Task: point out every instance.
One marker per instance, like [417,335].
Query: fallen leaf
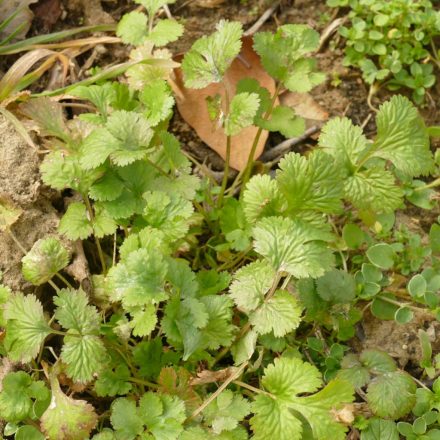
[209,3]
[207,376]
[304,106]
[192,105]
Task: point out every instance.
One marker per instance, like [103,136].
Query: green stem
[399,304]
[59,276]
[226,172]
[432,184]
[55,287]
[250,162]
[251,388]
[144,382]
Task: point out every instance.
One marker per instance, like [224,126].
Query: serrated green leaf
[44,260]
[380,429]
[292,247]
[75,223]
[84,356]
[210,56]
[402,137]
[337,287]
[26,327]
[108,187]
[113,382]
[374,189]
[165,31]
[242,111]
[284,120]
[312,183]
[67,418]
[125,419]
[158,102]
[132,28]
[224,413]
[392,395]
[144,320]
[250,285]
[280,314]
[100,95]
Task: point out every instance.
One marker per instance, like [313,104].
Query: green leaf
[378,362]
[250,285]
[18,394]
[374,189]
[292,247]
[165,31]
[402,137]
[224,412]
[337,287]
[84,356]
[353,235]
[74,313]
[144,320]
[125,419]
[392,395]
[242,110]
[285,379]
[280,314]
[139,280]
[262,198]
[66,417]
[132,28]
[113,382]
[28,432]
[434,238]
[158,102]
[380,429]
[382,255]
[404,315]
[44,260]
[26,327]
[153,6]
[210,56]
[75,223]
[284,120]
[9,214]
[108,187]
[312,183]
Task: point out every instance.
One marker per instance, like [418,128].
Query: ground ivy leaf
[262,198]
[224,413]
[132,28]
[26,327]
[392,395]
[284,120]
[374,189]
[74,313]
[382,255]
[280,314]
[402,137]
[377,361]
[343,140]
[311,183]
[292,247]
[125,419]
[84,356]
[113,382]
[139,280]
[210,56]
[158,102]
[67,418]
[75,223]
[250,285]
[242,110]
[165,31]
[44,260]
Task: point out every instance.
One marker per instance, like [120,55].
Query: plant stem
[226,172]
[16,241]
[251,388]
[59,276]
[399,304]
[55,287]
[144,382]
[250,162]
[432,184]
[98,244]
[219,390]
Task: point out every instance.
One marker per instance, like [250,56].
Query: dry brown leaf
[209,3]
[304,106]
[207,376]
[191,104]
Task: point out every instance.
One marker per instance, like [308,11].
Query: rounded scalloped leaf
[44,260]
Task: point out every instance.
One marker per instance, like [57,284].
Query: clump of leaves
[392,42]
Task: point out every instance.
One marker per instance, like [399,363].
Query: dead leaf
[47,12]
[344,415]
[192,105]
[304,106]
[209,3]
[207,376]
[20,23]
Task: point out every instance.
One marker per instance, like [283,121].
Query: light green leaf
[374,189]
[103,224]
[144,320]
[336,286]
[165,31]
[242,111]
[132,28]
[312,183]
[343,140]
[158,102]
[75,223]
[210,56]
[26,327]
[67,418]
[244,348]
[84,356]
[292,247]
[280,314]
[108,187]
[382,255]
[392,395]
[380,429]
[113,382]
[250,285]
[44,260]
[402,137]
[125,419]
[224,413]
[284,120]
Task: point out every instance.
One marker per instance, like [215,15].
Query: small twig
[329,30]
[167,12]
[279,150]
[220,389]
[266,15]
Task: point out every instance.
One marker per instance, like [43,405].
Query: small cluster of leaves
[390,41]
